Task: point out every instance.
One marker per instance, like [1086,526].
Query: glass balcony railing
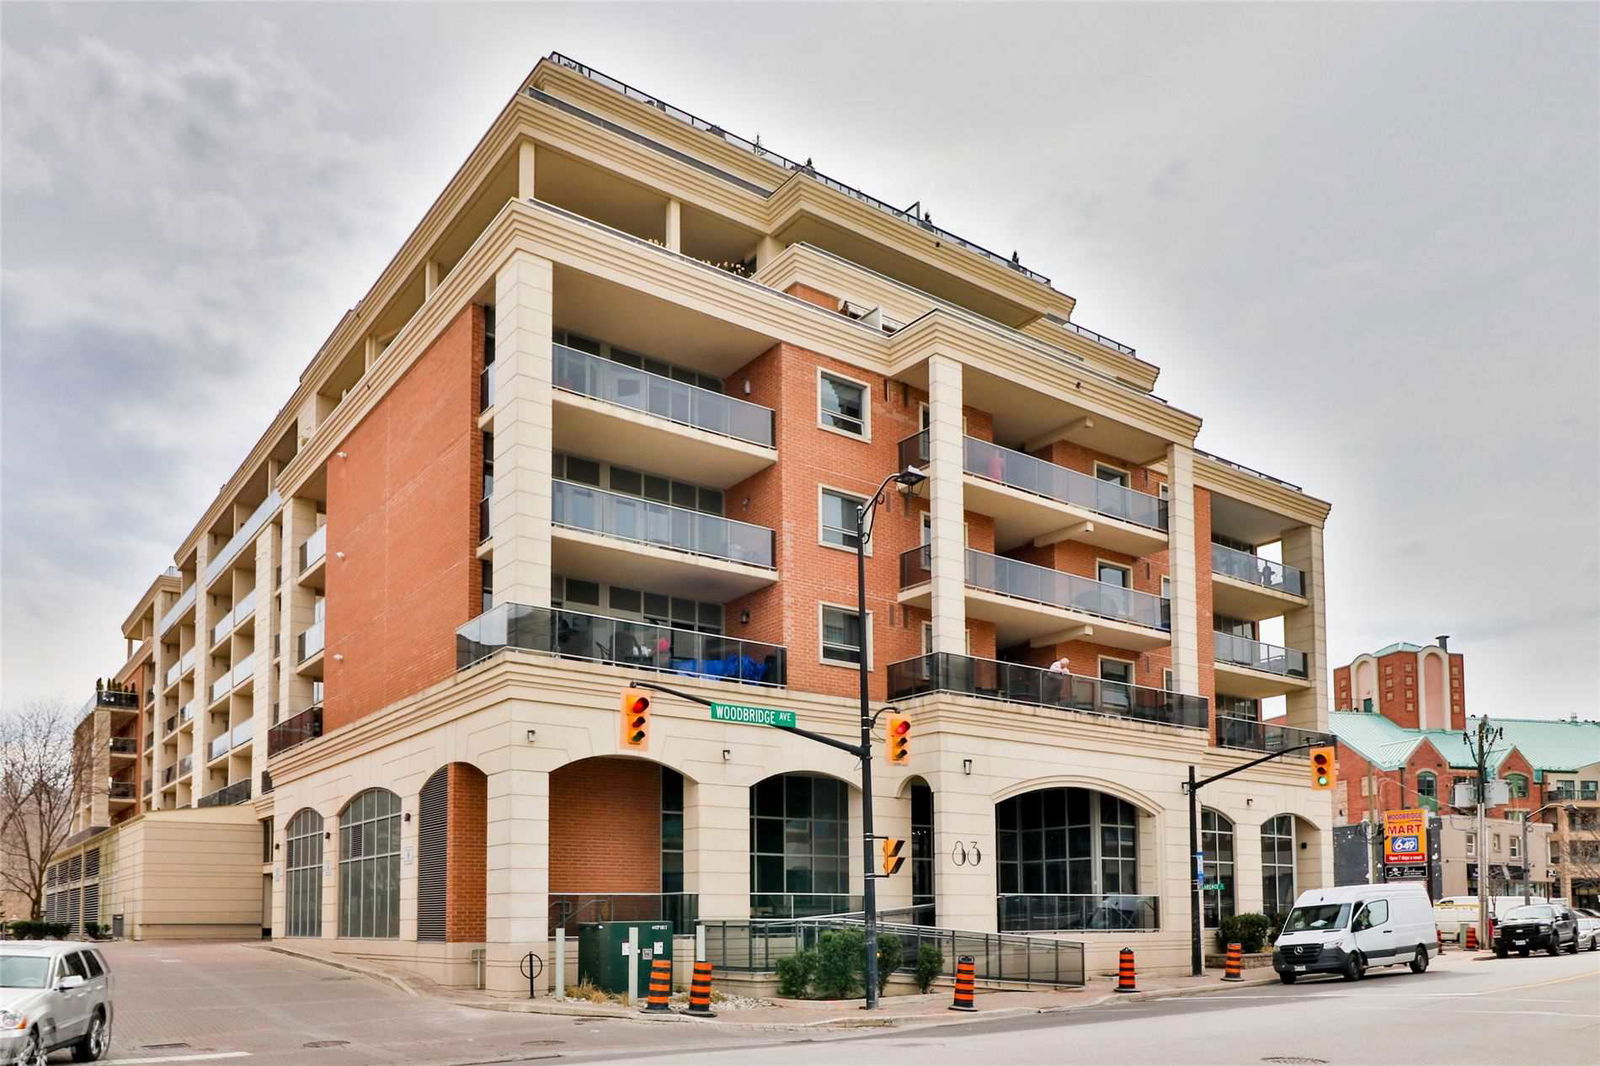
[185,765]
[1019,683]
[687,405]
[177,610]
[307,725]
[1040,477]
[244,733]
[314,548]
[1052,912]
[246,533]
[639,645]
[219,746]
[1264,736]
[309,642]
[1269,658]
[124,746]
[228,795]
[1268,573]
[230,621]
[120,790]
[648,522]
[169,774]
[179,668]
[1040,584]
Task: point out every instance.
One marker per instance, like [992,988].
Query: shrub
[1249,931]
[29,930]
[586,989]
[841,961]
[891,956]
[795,973]
[930,964]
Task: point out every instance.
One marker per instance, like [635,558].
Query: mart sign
[1405,837]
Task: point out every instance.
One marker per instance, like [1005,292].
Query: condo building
[607,417]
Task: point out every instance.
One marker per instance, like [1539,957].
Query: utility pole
[1480,747]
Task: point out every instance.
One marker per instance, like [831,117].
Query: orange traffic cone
[1125,971]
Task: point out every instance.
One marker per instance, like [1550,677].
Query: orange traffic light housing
[635,710]
[1323,769]
[899,739]
[892,857]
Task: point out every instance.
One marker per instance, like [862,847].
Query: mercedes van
[1353,928]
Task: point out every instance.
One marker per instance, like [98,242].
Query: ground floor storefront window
[1069,859]
[799,846]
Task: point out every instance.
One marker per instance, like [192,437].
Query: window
[1472,844]
[922,896]
[838,518]
[1375,914]
[1495,841]
[671,830]
[91,959]
[1428,789]
[841,635]
[1166,680]
[1216,841]
[1111,474]
[1277,865]
[369,865]
[1166,587]
[1112,574]
[1058,846]
[1116,675]
[303,875]
[486,579]
[842,405]
[266,840]
[1518,784]
[1516,846]
[799,846]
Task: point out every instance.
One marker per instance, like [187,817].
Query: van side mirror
[69,982]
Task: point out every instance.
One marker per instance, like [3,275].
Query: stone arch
[304,856]
[1433,690]
[801,830]
[369,865]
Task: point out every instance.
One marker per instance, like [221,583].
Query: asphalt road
[1461,1012]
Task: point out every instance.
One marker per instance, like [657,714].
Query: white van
[1352,928]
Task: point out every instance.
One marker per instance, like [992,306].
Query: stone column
[299,606]
[519,873]
[674,226]
[767,248]
[200,731]
[525,170]
[947,525]
[1183,569]
[520,505]
[963,814]
[1307,628]
[716,848]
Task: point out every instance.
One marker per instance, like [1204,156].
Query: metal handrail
[637,389]
[634,518]
[1252,735]
[1258,655]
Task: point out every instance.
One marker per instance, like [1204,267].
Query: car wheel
[1594,942]
[1523,953]
[1419,962]
[33,1052]
[1574,943]
[1287,978]
[1501,953]
[95,1042]
[1355,968]
[1553,948]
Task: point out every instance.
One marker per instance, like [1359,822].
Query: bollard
[561,963]
[1438,935]
[1472,938]
[1125,971]
[632,994]
[1234,963]
[660,986]
[700,992]
[965,976]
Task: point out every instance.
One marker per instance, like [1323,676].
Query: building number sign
[966,853]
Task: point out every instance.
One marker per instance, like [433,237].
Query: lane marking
[1554,981]
[183,1058]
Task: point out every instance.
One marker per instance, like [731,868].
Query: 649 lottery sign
[1405,837]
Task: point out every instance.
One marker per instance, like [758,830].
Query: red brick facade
[467,856]
[605,826]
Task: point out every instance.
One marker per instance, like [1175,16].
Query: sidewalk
[893,1012]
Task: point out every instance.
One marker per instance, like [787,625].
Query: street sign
[1405,837]
[740,714]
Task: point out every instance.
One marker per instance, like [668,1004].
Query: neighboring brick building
[607,415]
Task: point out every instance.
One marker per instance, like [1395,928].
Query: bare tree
[44,774]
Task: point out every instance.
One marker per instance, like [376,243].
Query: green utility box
[603,953]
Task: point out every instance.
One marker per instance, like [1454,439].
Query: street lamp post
[1527,858]
[910,478]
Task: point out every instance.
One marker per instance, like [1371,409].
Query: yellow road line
[1541,984]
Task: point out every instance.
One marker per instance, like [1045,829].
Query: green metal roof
[1547,745]
[1401,645]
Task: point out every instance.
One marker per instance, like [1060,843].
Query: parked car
[1588,928]
[1351,929]
[1551,927]
[53,994]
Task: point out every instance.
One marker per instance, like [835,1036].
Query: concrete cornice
[1273,496]
[164,582]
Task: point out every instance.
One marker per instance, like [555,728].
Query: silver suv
[53,994]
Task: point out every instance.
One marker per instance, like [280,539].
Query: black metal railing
[756,945]
[124,746]
[1268,573]
[1041,584]
[123,699]
[1076,913]
[640,645]
[568,910]
[676,401]
[307,725]
[1265,736]
[1017,683]
[227,795]
[1242,651]
[120,790]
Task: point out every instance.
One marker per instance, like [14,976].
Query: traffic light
[635,708]
[1322,769]
[892,859]
[899,739]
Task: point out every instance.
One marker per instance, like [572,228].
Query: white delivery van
[1352,928]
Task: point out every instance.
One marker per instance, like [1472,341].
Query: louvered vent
[433,834]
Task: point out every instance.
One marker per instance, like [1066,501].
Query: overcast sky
[1361,242]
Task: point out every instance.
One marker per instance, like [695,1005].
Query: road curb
[340,964]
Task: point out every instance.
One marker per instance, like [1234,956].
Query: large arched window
[369,865]
[1216,840]
[799,846]
[1277,866]
[1518,784]
[303,875]
[1428,790]
[1069,859]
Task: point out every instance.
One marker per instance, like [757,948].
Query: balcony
[175,613]
[176,671]
[605,410]
[222,686]
[1019,683]
[1251,588]
[109,698]
[120,792]
[1044,606]
[308,645]
[246,533]
[307,725]
[636,645]
[169,774]
[1257,671]
[627,540]
[125,747]
[1251,735]
[241,612]
[313,552]
[1036,501]
[228,795]
[185,765]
